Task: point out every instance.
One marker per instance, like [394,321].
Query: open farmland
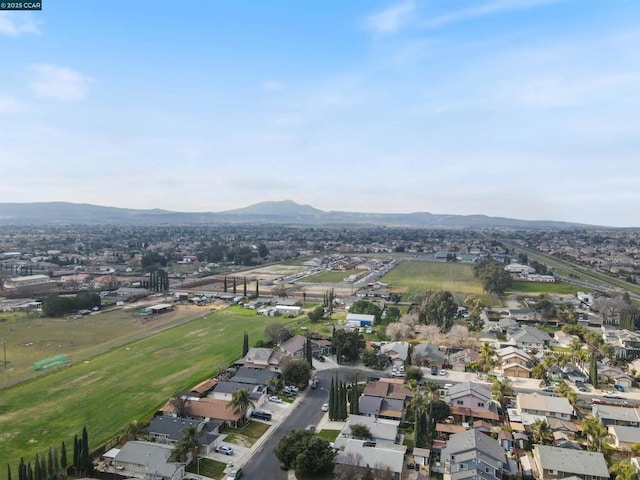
[29,338]
[536,288]
[129,382]
[418,277]
[331,277]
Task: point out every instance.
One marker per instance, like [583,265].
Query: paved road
[264,463]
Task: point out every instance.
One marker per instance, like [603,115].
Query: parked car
[275,399]
[325,407]
[443,373]
[260,414]
[447,386]
[234,474]
[224,449]
[619,388]
[310,428]
[434,370]
[321,358]
[611,395]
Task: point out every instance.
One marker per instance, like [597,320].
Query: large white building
[27,281]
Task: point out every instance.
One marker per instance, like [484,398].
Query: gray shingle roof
[571,461]
[475,443]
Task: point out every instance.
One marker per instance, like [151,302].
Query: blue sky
[520,108]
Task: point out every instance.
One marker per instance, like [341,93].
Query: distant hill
[283,212]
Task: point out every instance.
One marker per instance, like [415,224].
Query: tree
[296,372]
[485,359]
[595,432]
[63,458]
[316,314]
[439,410]
[179,404]
[257,289]
[308,352]
[277,333]
[188,446]
[501,389]
[593,370]
[332,400]
[475,307]
[347,345]
[360,431]
[85,460]
[133,430]
[306,452]
[458,335]
[494,278]
[438,308]
[245,343]
[244,287]
[413,373]
[263,251]
[623,470]
[397,331]
[240,401]
[541,432]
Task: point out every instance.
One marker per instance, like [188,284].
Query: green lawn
[208,468]
[106,392]
[417,277]
[331,277]
[329,435]
[248,435]
[538,288]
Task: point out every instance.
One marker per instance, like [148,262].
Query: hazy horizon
[526,109]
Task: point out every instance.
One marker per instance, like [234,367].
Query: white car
[611,395]
[275,399]
[447,386]
[224,449]
[443,373]
[325,407]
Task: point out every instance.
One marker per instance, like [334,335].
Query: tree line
[57,306]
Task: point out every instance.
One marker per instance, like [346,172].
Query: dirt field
[28,339]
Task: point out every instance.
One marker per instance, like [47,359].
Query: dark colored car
[261,415]
[434,370]
[321,359]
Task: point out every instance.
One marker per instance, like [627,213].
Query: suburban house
[535,404]
[207,409]
[225,391]
[427,355]
[514,362]
[567,428]
[382,430]
[472,454]
[388,388]
[608,374]
[295,347]
[528,337]
[564,339]
[397,352]
[253,376]
[623,437]
[149,461]
[612,415]
[169,430]
[201,389]
[262,359]
[461,359]
[380,458]
[625,343]
[471,395]
[391,408]
[553,463]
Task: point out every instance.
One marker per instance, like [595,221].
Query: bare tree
[609,308]
[179,404]
[277,333]
[397,331]
[458,335]
[433,334]
[411,320]
[348,468]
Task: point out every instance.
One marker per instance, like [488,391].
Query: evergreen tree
[50,470]
[76,452]
[8,472]
[419,433]
[56,461]
[85,459]
[245,287]
[245,344]
[332,401]
[235,286]
[257,289]
[225,285]
[308,352]
[29,471]
[593,370]
[63,458]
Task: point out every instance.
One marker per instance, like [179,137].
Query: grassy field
[106,392]
[418,277]
[248,435]
[538,288]
[29,338]
[330,277]
[329,435]
[208,468]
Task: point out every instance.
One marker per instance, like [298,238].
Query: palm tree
[623,470]
[133,430]
[241,401]
[501,389]
[567,393]
[272,384]
[541,432]
[433,391]
[187,448]
[486,353]
[595,432]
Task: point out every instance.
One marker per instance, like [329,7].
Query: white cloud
[15,24]
[60,83]
[8,105]
[271,85]
[491,8]
[391,19]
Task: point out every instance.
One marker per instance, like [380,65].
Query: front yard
[248,435]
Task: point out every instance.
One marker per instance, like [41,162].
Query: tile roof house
[356,455]
[169,430]
[148,460]
[388,388]
[536,404]
[561,463]
[471,455]
[207,409]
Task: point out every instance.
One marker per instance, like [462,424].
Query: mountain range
[284,212]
